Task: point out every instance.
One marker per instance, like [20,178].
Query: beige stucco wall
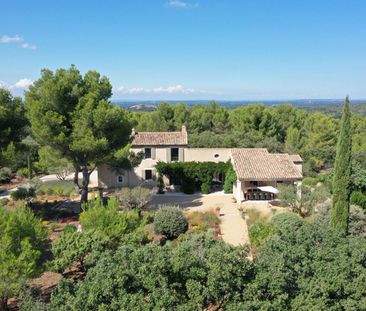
[108,178]
[206,154]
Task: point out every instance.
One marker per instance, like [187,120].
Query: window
[174,154]
[120,179]
[147,153]
[148,174]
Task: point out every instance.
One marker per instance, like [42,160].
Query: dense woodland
[312,257]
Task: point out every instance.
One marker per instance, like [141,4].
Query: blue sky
[192,49]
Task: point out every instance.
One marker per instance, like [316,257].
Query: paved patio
[233,227]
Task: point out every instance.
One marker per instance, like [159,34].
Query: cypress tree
[342,174]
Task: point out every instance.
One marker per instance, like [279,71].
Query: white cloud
[7,39]
[174,89]
[22,84]
[181,4]
[28,46]
[17,39]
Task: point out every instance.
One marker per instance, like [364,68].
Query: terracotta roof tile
[259,164]
[160,138]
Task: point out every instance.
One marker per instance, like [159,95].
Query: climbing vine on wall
[196,174]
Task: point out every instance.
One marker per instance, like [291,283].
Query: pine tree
[342,174]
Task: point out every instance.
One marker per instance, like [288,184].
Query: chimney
[184,129]
[133,132]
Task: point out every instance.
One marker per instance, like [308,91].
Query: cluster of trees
[300,266]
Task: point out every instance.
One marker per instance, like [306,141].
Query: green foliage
[108,221]
[307,267]
[134,198]
[52,162]
[5,174]
[189,275]
[359,199]
[72,114]
[59,187]
[160,184]
[69,229]
[191,174]
[170,221]
[357,220]
[260,232]
[304,205]
[230,178]
[342,174]
[23,194]
[23,172]
[75,248]
[21,242]
[206,187]
[28,301]
[13,127]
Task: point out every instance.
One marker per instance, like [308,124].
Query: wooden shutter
[168,154]
[153,153]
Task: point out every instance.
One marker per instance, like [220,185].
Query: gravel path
[234,229]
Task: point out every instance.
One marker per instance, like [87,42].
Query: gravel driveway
[233,227]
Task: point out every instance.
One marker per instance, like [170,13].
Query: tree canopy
[72,113]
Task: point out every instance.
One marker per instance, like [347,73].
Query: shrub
[22,172]
[23,194]
[69,229]
[160,184]
[230,178]
[54,226]
[5,174]
[4,202]
[260,232]
[170,221]
[358,198]
[131,198]
[188,186]
[287,221]
[206,188]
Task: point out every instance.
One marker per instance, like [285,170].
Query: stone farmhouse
[258,171]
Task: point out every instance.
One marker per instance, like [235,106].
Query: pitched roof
[160,138]
[258,164]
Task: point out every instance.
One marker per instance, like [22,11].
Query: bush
[188,186]
[22,172]
[358,198]
[206,188]
[69,229]
[230,178]
[285,222]
[54,226]
[5,174]
[4,202]
[260,232]
[131,198]
[23,194]
[170,221]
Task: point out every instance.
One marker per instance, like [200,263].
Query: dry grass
[199,221]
